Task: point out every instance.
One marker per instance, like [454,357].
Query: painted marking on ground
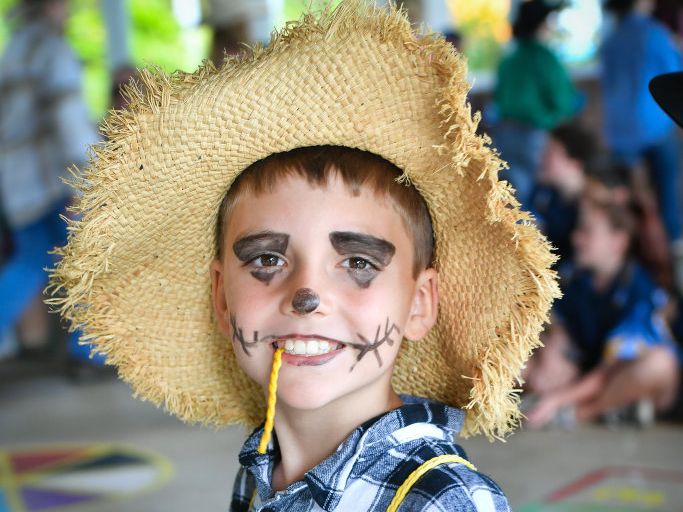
[61,478]
[620,488]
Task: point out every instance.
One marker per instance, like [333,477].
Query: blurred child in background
[635,129]
[533,94]
[568,154]
[44,129]
[608,346]
[614,181]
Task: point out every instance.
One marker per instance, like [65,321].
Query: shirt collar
[327,480]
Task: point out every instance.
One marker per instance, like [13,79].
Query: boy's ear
[220,306]
[425,305]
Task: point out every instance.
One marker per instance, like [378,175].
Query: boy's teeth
[308,347]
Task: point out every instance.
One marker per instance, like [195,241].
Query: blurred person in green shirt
[533,95]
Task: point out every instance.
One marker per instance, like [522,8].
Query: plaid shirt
[364,473]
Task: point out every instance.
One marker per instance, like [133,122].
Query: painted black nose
[305,301]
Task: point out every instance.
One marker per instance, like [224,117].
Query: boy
[320,286]
[608,347]
[327,163]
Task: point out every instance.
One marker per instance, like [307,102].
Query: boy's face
[596,241]
[329,277]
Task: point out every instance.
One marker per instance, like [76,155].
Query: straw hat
[134,274]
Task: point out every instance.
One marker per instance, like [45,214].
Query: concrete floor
[47,411]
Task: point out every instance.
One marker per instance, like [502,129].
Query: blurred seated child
[611,181]
[562,179]
[607,346]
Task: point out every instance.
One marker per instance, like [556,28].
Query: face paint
[305,301]
[364,347]
[368,255]
[238,337]
[373,346]
[263,251]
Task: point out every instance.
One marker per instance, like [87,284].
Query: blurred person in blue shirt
[608,346]
[44,129]
[637,49]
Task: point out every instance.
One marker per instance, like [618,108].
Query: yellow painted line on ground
[9,484]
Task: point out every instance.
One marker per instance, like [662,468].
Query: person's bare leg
[654,375]
[550,368]
[34,324]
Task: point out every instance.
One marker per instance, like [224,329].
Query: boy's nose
[305,301]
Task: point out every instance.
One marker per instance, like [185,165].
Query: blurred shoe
[565,418]
[640,414]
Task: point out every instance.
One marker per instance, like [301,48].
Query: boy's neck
[306,438]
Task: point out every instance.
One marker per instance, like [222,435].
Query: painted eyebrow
[250,246]
[349,242]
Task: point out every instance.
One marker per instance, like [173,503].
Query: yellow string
[415,476]
[272,397]
[251,501]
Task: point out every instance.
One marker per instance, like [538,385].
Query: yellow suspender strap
[251,501]
[415,476]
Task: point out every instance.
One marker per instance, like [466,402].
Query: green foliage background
[155,39]
[294,8]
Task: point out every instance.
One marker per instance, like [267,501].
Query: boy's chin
[308,396]
[305,401]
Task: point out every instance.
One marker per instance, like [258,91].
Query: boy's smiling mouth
[314,349]
[309,350]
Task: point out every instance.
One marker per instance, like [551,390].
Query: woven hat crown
[134,275]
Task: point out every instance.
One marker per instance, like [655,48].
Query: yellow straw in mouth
[272,397]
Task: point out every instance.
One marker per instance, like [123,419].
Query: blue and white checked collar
[417,419]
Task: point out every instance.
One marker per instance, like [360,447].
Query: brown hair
[621,216]
[578,142]
[633,210]
[356,168]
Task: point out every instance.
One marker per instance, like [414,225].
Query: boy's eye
[357,263]
[361,270]
[268,260]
